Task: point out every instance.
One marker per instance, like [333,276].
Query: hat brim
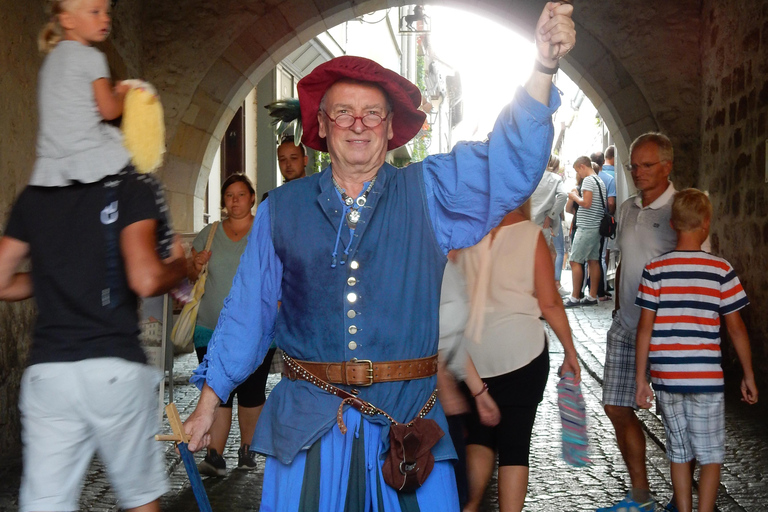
[404,96]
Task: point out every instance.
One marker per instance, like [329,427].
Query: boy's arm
[109,100]
[644,394]
[738,333]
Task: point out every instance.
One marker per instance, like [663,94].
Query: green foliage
[424,137]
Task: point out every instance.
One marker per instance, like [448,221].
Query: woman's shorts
[250,393]
[695,426]
[517,394]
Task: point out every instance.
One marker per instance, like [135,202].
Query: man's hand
[555,33]
[199,422]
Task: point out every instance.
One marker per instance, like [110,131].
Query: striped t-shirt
[589,218]
[689,291]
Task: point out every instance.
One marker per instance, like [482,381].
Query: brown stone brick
[751,41]
[719,118]
[742,111]
[737,81]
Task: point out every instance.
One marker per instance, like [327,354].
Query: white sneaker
[588,301]
[563,292]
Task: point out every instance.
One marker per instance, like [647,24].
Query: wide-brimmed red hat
[403,95]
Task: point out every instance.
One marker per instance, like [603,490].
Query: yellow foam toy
[144,128]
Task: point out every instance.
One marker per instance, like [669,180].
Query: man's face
[291,161]
[582,171]
[649,172]
[358,146]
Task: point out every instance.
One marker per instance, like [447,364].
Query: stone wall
[734,54]
[19,64]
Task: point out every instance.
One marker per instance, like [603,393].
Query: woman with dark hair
[237,199]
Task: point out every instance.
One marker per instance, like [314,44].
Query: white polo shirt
[643,234]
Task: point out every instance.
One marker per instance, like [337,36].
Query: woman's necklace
[354,205]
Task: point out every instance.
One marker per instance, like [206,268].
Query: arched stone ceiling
[206,55]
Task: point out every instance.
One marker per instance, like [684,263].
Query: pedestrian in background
[547,203]
[586,241]
[237,199]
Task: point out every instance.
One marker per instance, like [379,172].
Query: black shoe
[246,458]
[213,464]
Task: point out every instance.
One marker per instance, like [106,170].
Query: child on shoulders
[684,293]
[76,97]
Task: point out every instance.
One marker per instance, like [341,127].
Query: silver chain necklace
[353,216]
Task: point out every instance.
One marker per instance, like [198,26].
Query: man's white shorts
[69,411]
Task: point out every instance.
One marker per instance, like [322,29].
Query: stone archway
[201,84]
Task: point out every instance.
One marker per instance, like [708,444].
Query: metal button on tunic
[352,297]
[351,313]
[355,265]
[352,345]
[352,329]
[351,281]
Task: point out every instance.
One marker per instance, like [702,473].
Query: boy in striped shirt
[683,294]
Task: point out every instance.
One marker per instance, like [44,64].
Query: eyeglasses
[643,167]
[370,120]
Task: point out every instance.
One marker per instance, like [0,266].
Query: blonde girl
[75,97]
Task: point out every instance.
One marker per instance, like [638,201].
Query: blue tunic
[413,217]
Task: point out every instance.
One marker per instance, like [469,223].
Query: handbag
[608,222]
[184,328]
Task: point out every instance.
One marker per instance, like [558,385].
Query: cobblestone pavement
[554,486]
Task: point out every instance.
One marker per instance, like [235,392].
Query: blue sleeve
[246,324]
[611,187]
[469,190]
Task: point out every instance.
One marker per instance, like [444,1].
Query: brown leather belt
[295,369]
[363,372]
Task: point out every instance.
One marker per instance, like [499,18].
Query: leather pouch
[410,460]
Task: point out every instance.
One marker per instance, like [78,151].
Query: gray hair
[662,142]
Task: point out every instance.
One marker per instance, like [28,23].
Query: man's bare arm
[147,274]
[14,285]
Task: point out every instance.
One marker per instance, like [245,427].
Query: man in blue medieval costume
[356,254]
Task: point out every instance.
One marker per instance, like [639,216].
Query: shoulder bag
[608,222]
[184,328]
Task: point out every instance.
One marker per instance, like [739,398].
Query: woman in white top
[511,284]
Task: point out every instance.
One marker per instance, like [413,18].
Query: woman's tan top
[504,328]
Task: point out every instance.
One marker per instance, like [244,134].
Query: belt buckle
[369,371]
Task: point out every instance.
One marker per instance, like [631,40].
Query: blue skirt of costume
[342,472]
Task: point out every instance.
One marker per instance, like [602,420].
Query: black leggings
[251,392]
[517,394]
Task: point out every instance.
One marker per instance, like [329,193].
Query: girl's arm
[551,306]
[109,100]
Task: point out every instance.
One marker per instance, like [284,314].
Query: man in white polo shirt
[644,232]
